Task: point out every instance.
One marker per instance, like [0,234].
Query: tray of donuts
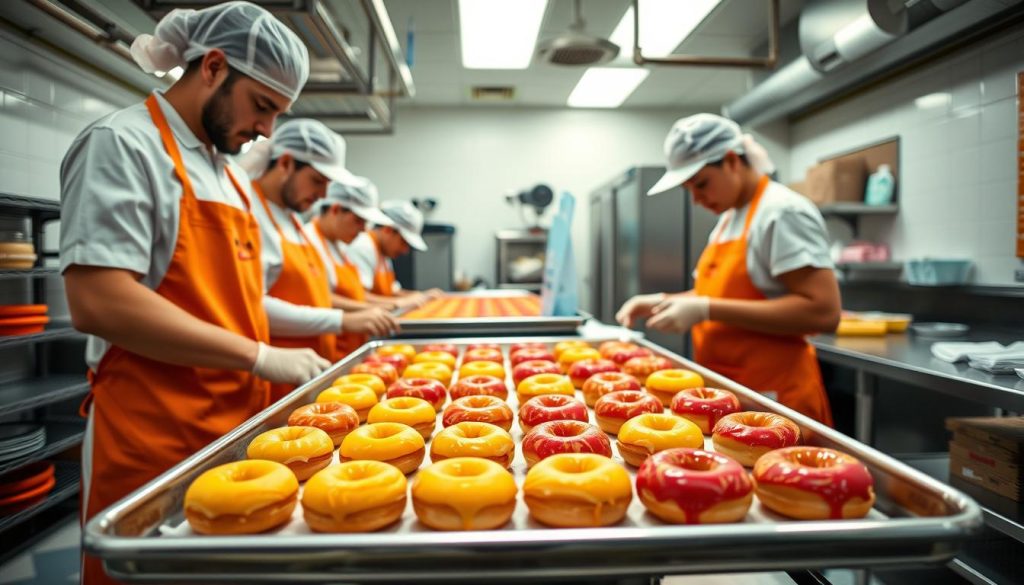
[487,312]
[459,459]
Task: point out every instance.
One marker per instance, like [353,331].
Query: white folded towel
[960,351]
[1020,372]
[1001,362]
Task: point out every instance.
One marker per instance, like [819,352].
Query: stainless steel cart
[144,537]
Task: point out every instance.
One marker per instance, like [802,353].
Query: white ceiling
[735,28]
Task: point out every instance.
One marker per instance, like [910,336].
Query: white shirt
[121,196]
[287,319]
[328,255]
[787,233]
[363,253]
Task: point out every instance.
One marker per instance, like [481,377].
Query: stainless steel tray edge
[553,553]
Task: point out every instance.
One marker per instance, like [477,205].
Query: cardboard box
[981,476]
[988,453]
[1006,433]
[837,181]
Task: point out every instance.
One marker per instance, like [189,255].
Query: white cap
[255,43]
[360,198]
[407,220]
[697,140]
[308,141]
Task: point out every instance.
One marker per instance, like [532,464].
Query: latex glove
[434,293]
[413,301]
[638,307]
[287,365]
[678,314]
[376,322]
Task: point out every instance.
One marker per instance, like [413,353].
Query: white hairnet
[255,43]
[697,140]
[360,197]
[308,141]
[407,220]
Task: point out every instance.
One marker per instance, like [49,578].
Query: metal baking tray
[462,326]
[144,538]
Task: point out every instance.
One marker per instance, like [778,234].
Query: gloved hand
[678,314]
[413,301]
[376,322]
[638,307]
[287,365]
[434,293]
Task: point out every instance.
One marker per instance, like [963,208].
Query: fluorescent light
[934,100]
[664,24]
[606,87]
[499,34]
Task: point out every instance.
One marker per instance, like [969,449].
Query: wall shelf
[8,274]
[48,335]
[60,436]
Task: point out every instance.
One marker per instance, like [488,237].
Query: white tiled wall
[958,160]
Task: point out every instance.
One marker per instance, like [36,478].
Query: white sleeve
[270,245]
[361,252]
[107,204]
[290,320]
[794,239]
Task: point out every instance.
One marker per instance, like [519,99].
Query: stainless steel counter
[907,357]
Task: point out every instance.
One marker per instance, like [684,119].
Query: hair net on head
[697,140]
[407,220]
[308,141]
[255,43]
[359,197]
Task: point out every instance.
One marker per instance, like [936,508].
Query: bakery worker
[161,255]
[765,279]
[290,172]
[337,221]
[373,250]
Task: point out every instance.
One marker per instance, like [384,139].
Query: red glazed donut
[386,372]
[600,384]
[473,346]
[527,345]
[430,390]
[745,436]
[399,360]
[621,355]
[615,408]
[488,409]
[479,385]
[814,483]
[445,347]
[337,419]
[531,368]
[549,407]
[704,406]
[694,486]
[527,355]
[564,436]
[581,371]
[641,367]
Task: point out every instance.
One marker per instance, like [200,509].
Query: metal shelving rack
[25,398]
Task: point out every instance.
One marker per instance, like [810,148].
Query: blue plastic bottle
[880,187]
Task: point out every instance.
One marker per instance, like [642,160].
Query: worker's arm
[112,304]
[810,305]
[642,306]
[347,304]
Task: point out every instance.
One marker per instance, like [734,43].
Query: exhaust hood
[357,69]
[847,45]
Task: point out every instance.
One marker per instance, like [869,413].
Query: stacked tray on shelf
[146,535]
[18,440]
[25,486]
[22,319]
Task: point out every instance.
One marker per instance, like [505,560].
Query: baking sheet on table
[401,552]
[490,325]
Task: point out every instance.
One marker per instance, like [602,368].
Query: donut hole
[704,393]
[358,470]
[816,458]
[474,431]
[477,401]
[574,465]
[697,462]
[545,378]
[630,397]
[566,430]
[385,431]
[660,423]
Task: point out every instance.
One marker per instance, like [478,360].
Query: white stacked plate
[18,440]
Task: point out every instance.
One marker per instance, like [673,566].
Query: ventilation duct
[835,35]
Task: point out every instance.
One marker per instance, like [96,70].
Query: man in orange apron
[339,219]
[160,253]
[290,173]
[373,250]
[765,279]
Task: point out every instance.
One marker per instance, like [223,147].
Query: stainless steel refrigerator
[642,244]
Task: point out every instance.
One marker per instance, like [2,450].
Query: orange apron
[148,415]
[303,281]
[383,276]
[349,286]
[784,364]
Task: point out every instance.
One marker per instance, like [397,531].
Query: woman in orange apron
[737,329]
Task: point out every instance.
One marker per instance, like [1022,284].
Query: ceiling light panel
[606,87]
[499,34]
[664,25]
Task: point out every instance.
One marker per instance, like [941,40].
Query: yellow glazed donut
[648,433]
[577,490]
[474,439]
[356,496]
[305,450]
[394,443]
[482,368]
[464,493]
[442,357]
[664,384]
[539,384]
[409,410]
[372,380]
[402,348]
[571,355]
[561,346]
[360,397]
[242,497]
[433,370]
